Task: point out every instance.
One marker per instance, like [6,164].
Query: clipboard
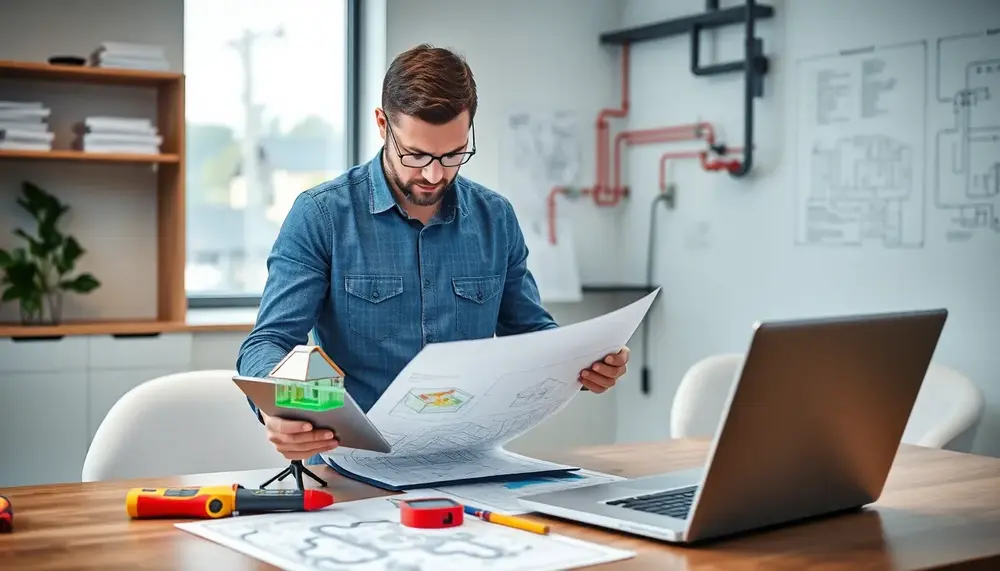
[349,422]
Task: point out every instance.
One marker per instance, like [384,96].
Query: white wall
[747,266]
[562,66]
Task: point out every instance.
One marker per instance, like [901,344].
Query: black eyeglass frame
[466,155]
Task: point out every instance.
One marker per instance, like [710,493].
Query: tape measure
[6,516]
[431,513]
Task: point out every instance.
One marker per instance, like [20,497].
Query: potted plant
[37,275]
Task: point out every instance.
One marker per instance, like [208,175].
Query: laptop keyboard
[671,503]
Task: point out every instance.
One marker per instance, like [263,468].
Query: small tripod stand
[295,469]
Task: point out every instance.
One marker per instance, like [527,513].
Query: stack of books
[24,126]
[117,135]
[130,56]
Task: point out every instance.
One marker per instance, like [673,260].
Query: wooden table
[939,510]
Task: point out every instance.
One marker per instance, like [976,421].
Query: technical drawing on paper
[542,150]
[967,161]
[435,401]
[366,535]
[544,390]
[860,147]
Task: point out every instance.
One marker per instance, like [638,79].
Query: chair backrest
[945,415]
[701,396]
[947,412]
[185,423]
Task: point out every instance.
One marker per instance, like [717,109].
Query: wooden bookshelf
[68,155]
[170,192]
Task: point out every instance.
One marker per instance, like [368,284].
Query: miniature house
[306,378]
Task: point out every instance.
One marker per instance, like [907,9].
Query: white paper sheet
[449,412]
[501,497]
[366,535]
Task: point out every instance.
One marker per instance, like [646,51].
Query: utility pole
[255,242]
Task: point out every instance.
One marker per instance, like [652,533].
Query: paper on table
[366,535]
[449,412]
[501,497]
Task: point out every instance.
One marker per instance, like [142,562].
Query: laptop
[811,427]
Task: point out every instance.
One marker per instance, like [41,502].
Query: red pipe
[647,136]
[601,146]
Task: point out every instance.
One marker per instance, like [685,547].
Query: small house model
[306,378]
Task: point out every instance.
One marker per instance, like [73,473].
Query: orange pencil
[507,520]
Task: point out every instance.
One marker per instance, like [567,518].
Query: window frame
[352,146]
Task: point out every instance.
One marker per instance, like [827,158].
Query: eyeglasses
[421,160]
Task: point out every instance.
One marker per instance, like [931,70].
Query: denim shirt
[375,286]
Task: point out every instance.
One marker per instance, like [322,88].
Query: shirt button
[375,294]
[479,295]
[427,282]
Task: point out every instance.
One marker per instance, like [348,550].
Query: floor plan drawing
[537,393]
[454,406]
[366,535]
[860,144]
[435,401]
[967,147]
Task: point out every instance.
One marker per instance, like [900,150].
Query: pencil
[507,520]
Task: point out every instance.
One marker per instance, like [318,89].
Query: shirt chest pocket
[477,304]
[374,305]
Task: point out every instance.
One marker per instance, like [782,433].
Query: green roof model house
[306,378]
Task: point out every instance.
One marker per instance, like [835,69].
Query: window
[269,102]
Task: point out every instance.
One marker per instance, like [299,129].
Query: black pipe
[749,88]
[650,256]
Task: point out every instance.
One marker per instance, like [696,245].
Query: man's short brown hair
[432,84]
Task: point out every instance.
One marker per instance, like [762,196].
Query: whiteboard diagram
[366,535]
[967,149]
[543,149]
[860,147]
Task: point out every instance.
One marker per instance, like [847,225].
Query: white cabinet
[121,363]
[43,412]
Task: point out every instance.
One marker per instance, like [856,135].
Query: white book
[24,113]
[20,104]
[132,48]
[25,146]
[122,139]
[26,135]
[33,126]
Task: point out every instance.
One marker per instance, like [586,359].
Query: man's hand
[295,439]
[602,375]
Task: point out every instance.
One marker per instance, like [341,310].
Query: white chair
[185,423]
[701,396]
[946,414]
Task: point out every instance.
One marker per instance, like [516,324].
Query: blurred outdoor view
[265,98]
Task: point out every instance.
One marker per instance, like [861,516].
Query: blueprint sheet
[501,497]
[450,411]
[366,535]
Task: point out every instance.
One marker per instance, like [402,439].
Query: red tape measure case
[431,513]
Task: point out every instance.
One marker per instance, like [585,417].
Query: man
[399,252]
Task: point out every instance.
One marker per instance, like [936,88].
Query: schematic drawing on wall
[967,147]
[543,149]
[860,147]
[366,535]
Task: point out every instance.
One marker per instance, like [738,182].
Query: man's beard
[410,190]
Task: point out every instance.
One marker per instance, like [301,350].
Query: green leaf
[71,252]
[5,258]
[84,283]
